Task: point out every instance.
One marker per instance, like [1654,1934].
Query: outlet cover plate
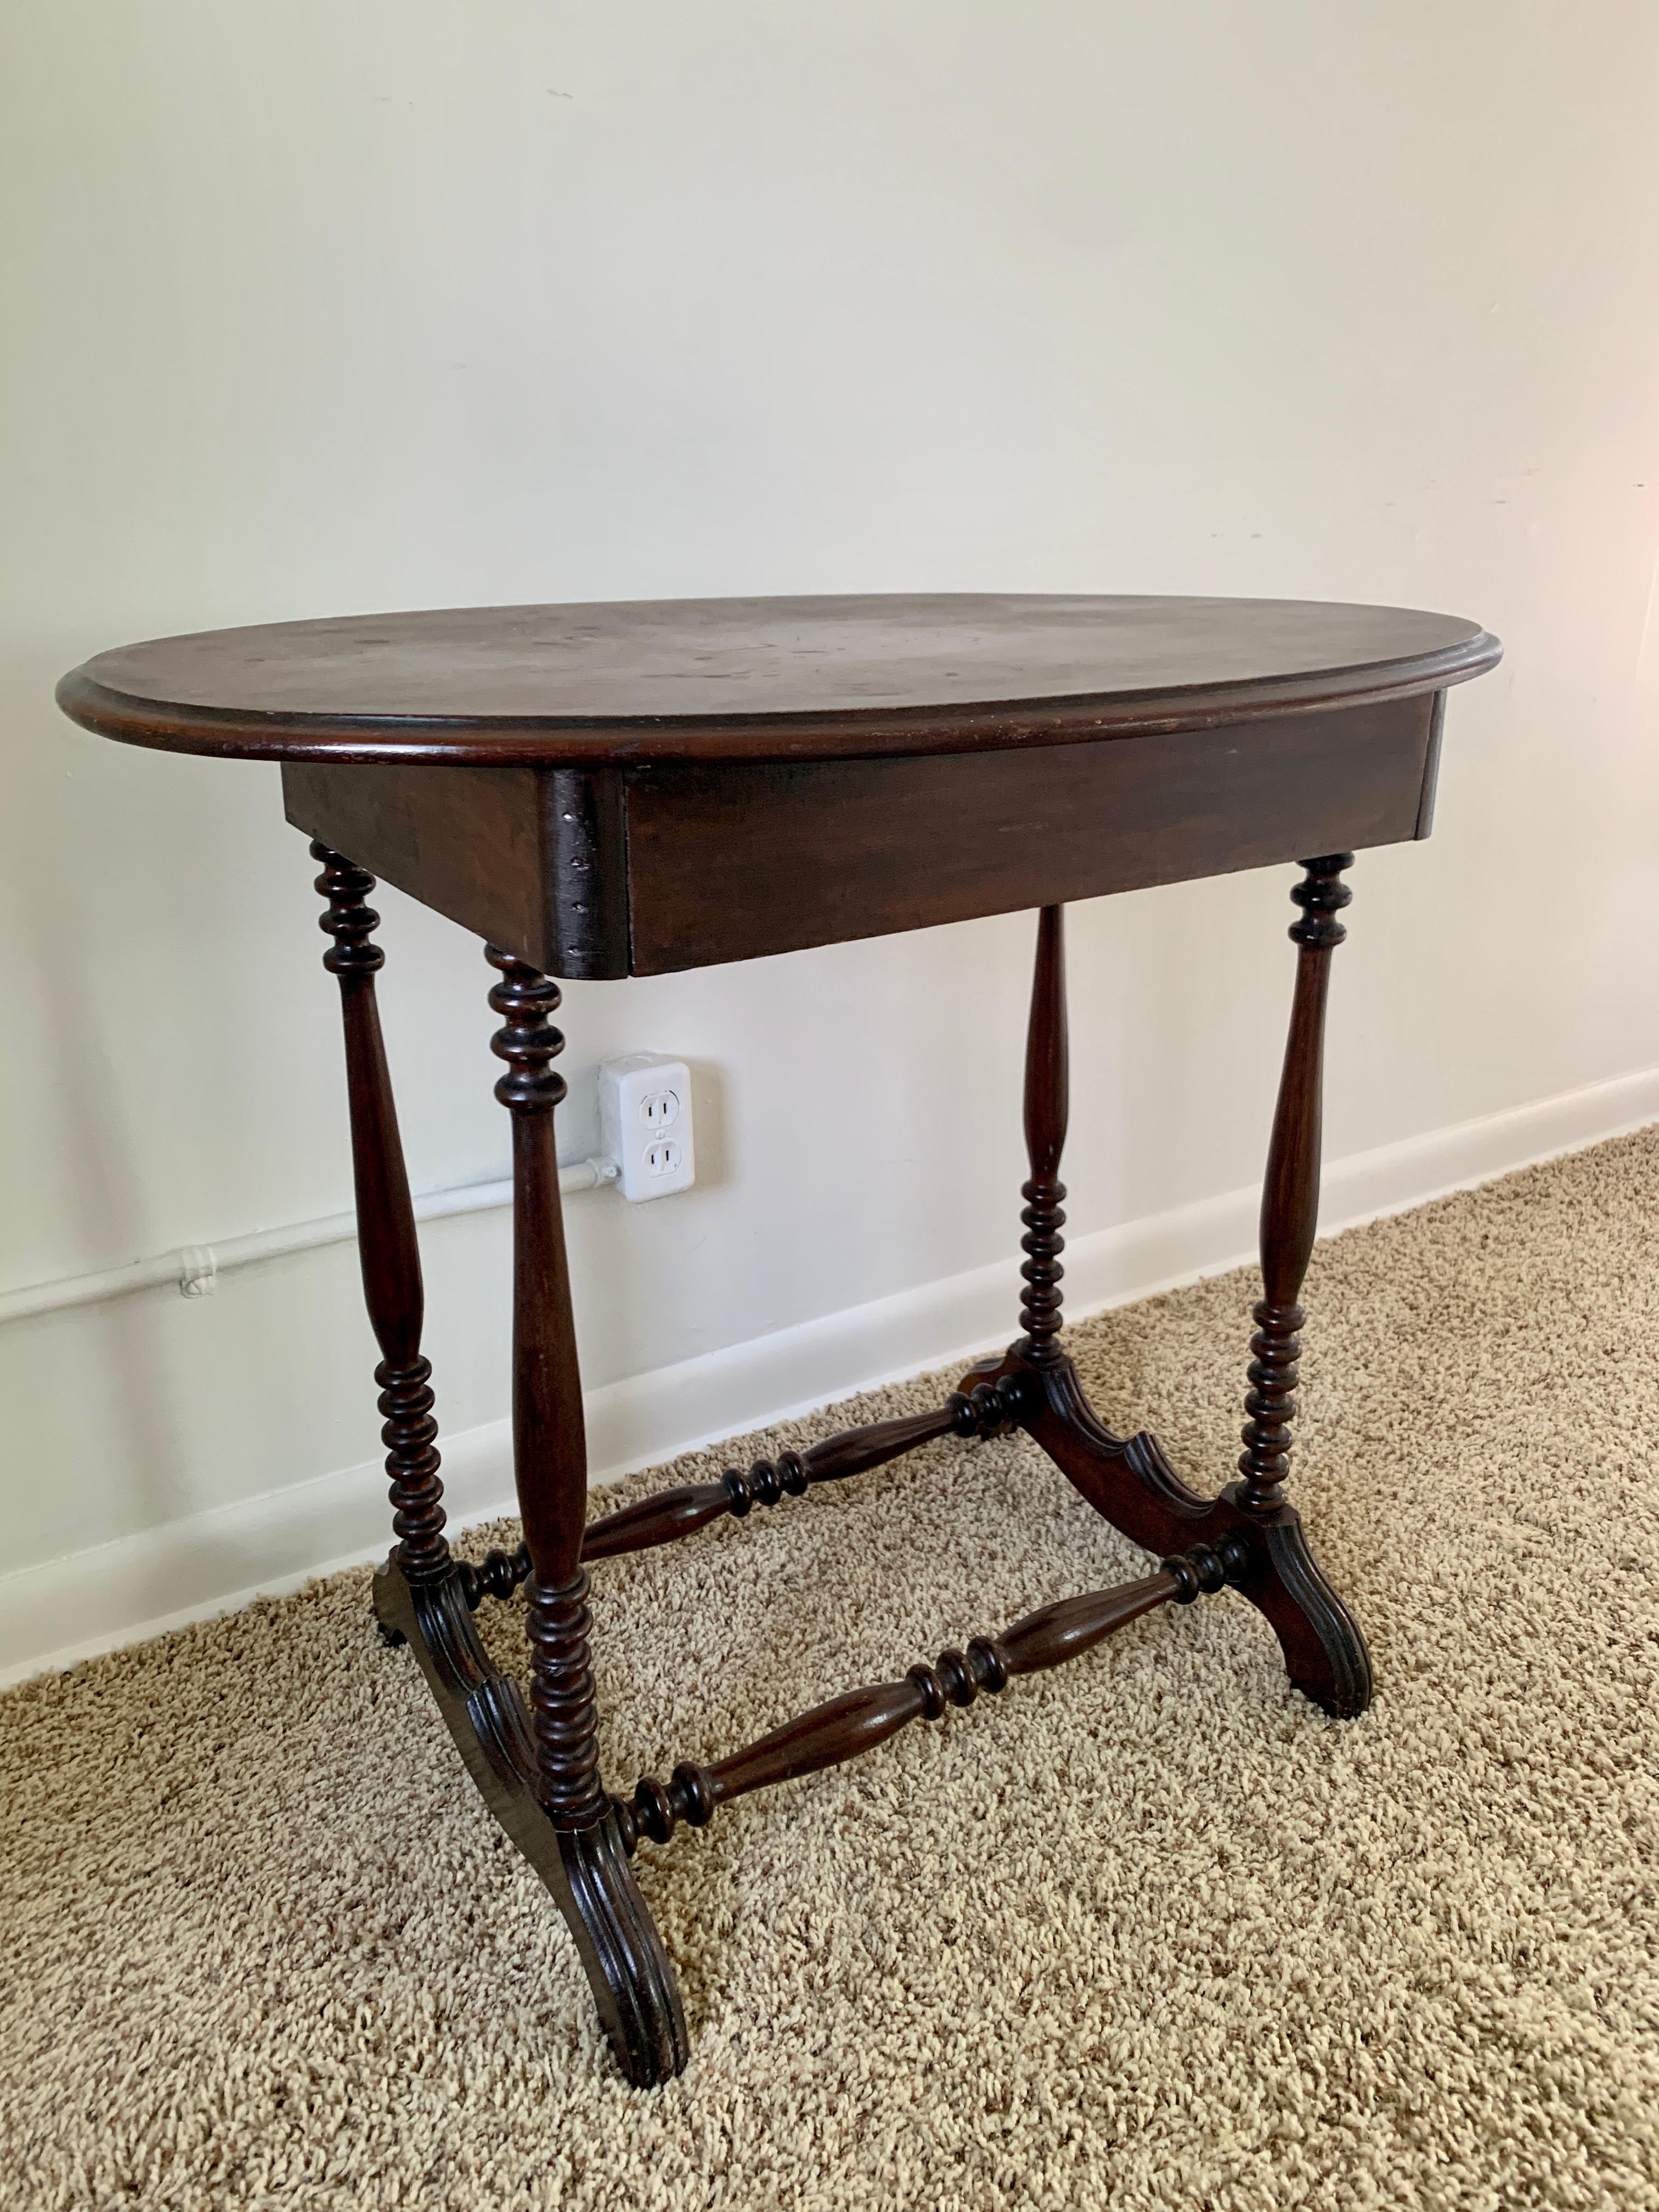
[645,1124]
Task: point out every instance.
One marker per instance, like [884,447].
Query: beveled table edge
[759,739]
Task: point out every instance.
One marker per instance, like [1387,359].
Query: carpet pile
[1149,1931]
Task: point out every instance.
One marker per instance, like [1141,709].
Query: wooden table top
[637,682]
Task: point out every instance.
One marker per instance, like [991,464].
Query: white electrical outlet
[645,1123]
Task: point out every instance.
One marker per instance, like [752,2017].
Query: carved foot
[1129,1482]
[1325,1652]
[585,1870]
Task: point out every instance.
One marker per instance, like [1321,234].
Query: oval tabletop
[764,679]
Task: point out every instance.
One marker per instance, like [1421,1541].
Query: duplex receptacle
[645,1123]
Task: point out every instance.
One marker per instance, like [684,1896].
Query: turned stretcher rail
[918,760]
[671,1514]
[859,1720]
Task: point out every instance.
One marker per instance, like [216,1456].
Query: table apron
[646,870]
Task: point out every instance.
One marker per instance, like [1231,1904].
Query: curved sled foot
[585,1870]
[1325,1653]
[633,1983]
[1130,1483]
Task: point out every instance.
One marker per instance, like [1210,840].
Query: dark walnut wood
[635,1984]
[1290,1195]
[1129,1482]
[633,683]
[860,1720]
[654,869]
[1047,1091]
[498,1574]
[1128,1479]
[613,789]
[670,1514]
[421,1592]
[585,1870]
[387,1246]
[622,780]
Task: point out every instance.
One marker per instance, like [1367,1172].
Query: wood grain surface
[640,682]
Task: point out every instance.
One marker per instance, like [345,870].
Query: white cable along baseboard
[194,1268]
[123,1592]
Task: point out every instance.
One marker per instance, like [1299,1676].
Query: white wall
[316,309]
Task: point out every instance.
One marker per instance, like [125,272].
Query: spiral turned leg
[626,1966]
[536,1765]
[563,1704]
[1290,1195]
[1128,1478]
[1323,1646]
[1045,1113]
[388,1245]
[410,1438]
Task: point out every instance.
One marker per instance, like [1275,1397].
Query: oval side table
[634,788]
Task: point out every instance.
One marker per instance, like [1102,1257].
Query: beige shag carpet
[1148,1931]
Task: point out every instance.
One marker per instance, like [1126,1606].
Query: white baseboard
[124,1592]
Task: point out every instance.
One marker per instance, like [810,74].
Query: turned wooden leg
[1323,1642]
[550,1447]
[631,1976]
[387,1242]
[1127,1479]
[537,1769]
[1046,1081]
[1289,1193]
